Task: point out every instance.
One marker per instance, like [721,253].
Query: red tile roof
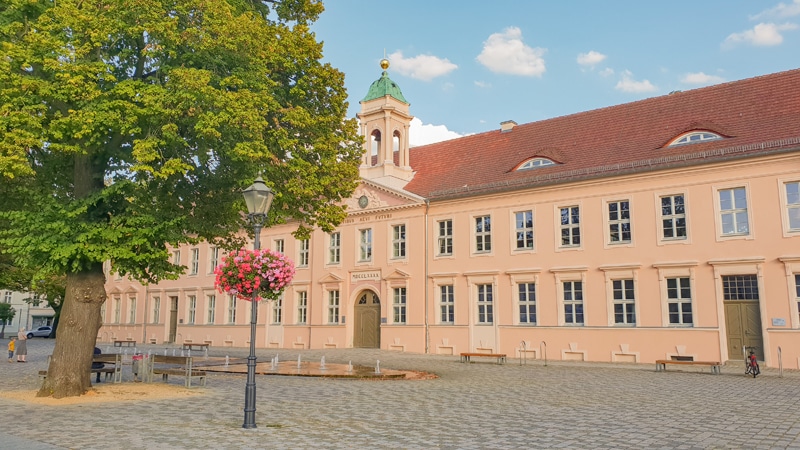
[756,116]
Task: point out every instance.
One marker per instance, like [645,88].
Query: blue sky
[465,66]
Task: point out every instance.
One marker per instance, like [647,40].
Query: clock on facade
[363,201]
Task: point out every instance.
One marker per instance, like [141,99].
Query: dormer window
[535,163]
[694,137]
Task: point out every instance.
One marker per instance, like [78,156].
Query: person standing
[22,345]
[11,349]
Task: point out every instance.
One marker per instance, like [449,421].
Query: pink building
[663,228]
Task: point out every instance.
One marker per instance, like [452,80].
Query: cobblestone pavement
[470,406]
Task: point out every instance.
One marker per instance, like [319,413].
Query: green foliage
[128,126]
[6,312]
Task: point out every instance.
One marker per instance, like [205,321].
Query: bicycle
[751,365]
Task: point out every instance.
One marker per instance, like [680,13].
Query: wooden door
[367,332]
[743,323]
[173,318]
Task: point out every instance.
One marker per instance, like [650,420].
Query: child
[11,344]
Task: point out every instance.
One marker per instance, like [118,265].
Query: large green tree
[129,126]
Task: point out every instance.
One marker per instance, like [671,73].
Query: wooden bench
[192,345]
[661,364]
[501,357]
[115,371]
[173,365]
[128,342]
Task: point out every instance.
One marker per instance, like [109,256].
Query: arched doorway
[367,333]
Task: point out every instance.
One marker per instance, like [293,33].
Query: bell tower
[385,121]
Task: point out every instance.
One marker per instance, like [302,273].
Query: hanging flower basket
[243,272]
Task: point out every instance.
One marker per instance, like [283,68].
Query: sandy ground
[122,392]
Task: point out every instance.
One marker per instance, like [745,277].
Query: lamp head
[258,197]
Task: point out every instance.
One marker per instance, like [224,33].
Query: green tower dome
[384,86]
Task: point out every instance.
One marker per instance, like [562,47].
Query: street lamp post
[258,198]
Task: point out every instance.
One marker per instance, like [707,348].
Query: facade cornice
[670,264]
[732,261]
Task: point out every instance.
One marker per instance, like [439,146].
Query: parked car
[40,332]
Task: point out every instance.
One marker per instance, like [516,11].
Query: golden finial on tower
[384,64]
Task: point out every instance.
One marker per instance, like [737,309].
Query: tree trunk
[68,374]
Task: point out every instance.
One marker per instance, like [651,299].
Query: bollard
[780,363]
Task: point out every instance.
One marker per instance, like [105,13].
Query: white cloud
[782,10]
[506,53]
[762,35]
[423,134]
[483,84]
[591,59]
[628,84]
[421,67]
[607,72]
[701,78]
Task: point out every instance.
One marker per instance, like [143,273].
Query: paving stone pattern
[480,405]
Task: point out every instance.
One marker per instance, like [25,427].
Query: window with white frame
[195,262]
[679,301]
[211,303]
[523,223]
[483,234]
[673,217]
[485,304]
[624,302]
[399,304]
[7,297]
[573,302]
[447,304]
[335,248]
[232,309]
[278,245]
[399,241]
[117,309]
[302,254]
[131,310]
[527,303]
[103,317]
[535,163]
[694,137]
[277,310]
[619,221]
[445,237]
[333,307]
[213,259]
[740,287]
[793,205]
[176,257]
[156,309]
[302,307]
[365,245]
[570,226]
[733,211]
[192,317]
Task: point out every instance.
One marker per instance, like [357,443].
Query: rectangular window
[278,245]
[570,226]
[573,302]
[483,234]
[793,205]
[399,305]
[7,297]
[447,304]
[527,303]
[103,317]
[365,241]
[195,266]
[302,255]
[619,222]
[733,211]
[797,291]
[156,309]
[740,287]
[445,238]
[302,307]
[132,310]
[333,307]
[673,217]
[176,257]
[679,301]
[213,258]
[524,229]
[117,309]
[232,309]
[485,304]
[192,310]
[624,302]
[277,310]
[335,248]
[399,241]
[211,301]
